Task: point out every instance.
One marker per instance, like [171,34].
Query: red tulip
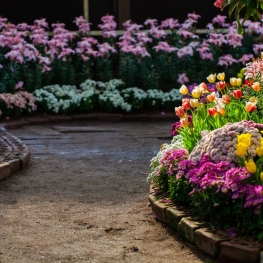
[212,111]
[179,111]
[237,93]
[186,104]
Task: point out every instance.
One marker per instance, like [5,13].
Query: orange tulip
[179,111]
[211,97]
[226,99]
[203,87]
[221,111]
[250,107]
[256,86]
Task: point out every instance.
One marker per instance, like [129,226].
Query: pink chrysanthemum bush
[215,161]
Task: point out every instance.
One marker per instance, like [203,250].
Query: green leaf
[250,10]
[232,7]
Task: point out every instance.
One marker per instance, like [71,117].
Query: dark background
[65,11]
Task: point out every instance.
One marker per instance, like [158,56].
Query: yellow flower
[221,76]
[253,99]
[233,81]
[239,82]
[259,151]
[251,166]
[183,90]
[211,78]
[194,103]
[241,149]
[244,138]
[261,176]
[196,93]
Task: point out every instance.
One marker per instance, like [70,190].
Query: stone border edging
[110,117]
[215,243]
[14,154]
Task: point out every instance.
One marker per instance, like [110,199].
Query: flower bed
[214,163]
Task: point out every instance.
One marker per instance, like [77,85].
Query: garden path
[83,197]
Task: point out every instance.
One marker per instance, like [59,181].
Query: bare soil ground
[83,197]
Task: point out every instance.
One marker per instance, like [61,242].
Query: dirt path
[83,197]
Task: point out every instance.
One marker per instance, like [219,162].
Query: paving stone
[5,170]
[174,215]
[236,251]
[208,240]
[187,227]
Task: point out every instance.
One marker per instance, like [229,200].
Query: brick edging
[215,243]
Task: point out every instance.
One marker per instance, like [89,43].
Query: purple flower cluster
[171,158]
[223,177]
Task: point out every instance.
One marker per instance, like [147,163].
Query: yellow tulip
[239,82]
[253,99]
[194,103]
[244,138]
[211,78]
[241,149]
[221,76]
[261,176]
[233,81]
[259,151]
[251,166]
[183,90]
[196,93]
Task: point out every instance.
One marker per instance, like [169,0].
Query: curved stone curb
[14,155]
[215,243]
[110,117]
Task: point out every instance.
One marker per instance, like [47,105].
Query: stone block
[24,159]
[5,170]
[15,165]
[238,251]
[159,209]
[208,240]
[174,216]
[187,227]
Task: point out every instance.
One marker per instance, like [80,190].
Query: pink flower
[164,46]
[226,60]
[182,78]
[170,23]
[184,51]
[220,20]
[19,85]
[245,58]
